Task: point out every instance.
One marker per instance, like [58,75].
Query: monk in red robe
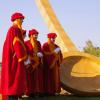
[52,61]
[23,33]
[24,36]
[14,59]
[35,72]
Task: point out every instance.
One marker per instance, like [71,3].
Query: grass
[62,98]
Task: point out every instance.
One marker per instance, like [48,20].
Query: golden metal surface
[54,26]
[88,65]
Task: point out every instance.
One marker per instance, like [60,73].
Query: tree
[89,48]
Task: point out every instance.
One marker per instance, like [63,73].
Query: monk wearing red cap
[35,72]
[14,59]
[52,61]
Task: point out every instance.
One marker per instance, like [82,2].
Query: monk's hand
[39,54]
[27,62]
[57,50]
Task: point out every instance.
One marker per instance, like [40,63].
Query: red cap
[17,15]
[23,32]
[32,32]
[51,35]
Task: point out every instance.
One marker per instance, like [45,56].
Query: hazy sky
[79,18]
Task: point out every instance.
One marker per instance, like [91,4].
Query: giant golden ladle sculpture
[80,72]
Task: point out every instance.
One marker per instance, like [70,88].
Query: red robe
[13,74]
[35,78]
[52,63]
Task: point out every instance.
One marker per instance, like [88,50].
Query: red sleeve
[59,55]
[19,45]
[39,46]
[49,57]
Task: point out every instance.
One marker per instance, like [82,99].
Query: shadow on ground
[63,98]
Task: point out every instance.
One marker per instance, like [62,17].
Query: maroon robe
[52,63]
[13,74]
[35,78]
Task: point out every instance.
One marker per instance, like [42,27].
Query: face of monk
[53,40]
[20,21]
[35,36]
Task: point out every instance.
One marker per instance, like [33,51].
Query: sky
[79,18]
